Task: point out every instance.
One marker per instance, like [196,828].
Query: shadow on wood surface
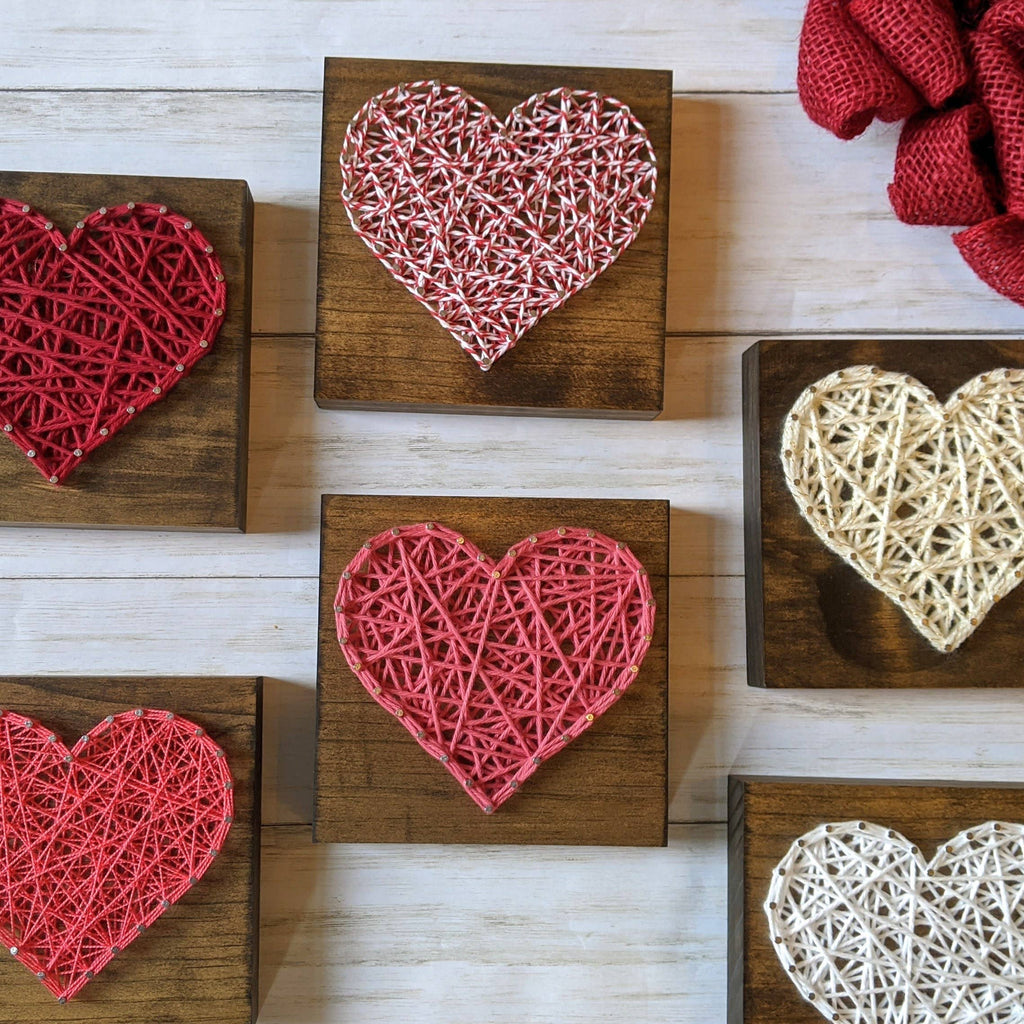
[697,234]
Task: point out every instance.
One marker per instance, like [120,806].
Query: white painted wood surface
[776,229]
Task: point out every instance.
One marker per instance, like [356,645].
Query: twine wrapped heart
[101,839]
[97,326]
[494,667]
[493,225]
[924,500]
[871,934]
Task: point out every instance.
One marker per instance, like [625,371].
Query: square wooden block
[181,465]
[602,354]
[375,784]
[198,962]
[767,815]
[812,620]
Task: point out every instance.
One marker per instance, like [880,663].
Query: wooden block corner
[812,621]
[601,355]
[182,465]
[198,963]
[768,814]
[374,783]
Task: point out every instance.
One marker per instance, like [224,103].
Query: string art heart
[924,500]
[494,667]
[492,225]
[871,934]
[101,839]
[97,326]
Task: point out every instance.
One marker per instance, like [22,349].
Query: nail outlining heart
[871,934]
[492,225]
[100,839]
[494,667]
[97,326]
[923,499]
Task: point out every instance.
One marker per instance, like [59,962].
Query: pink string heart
[494,667]
[101,839]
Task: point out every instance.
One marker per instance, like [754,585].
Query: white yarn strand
[871,934]
[924,500]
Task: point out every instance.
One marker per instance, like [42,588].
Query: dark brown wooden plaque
[766,815]
[198,963]
[602,354]
[812,620]
[375,784]
[181,465]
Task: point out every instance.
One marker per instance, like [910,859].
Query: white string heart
[872,934]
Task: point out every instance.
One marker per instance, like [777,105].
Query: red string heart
[492,225]
[494,666]
[99,840]
[98,326]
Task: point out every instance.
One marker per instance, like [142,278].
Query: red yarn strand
[96,327]
[494,667]
[101,839]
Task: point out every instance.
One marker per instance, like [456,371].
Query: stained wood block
[181,464]
[812,620]
[766,815]
[199,961]
[602,354]
[375,784]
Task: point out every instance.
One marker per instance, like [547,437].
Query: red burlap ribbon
[954,69]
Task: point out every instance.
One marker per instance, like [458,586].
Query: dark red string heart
[99,840]
[956,71]
[97,326]
[494,667]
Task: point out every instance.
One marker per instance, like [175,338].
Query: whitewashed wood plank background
[776,229]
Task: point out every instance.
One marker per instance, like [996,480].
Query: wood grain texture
[298,452]
[182,463]
[602,354]
[736,44]
[375,784]
[501,934]
[768,814]
[812,620]
[198,962]
[210,626]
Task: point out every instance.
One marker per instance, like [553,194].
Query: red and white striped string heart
[491,225]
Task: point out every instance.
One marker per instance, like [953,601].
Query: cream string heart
[492,225]
[870,933]
[494,667]
[100,839]
[923,500]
